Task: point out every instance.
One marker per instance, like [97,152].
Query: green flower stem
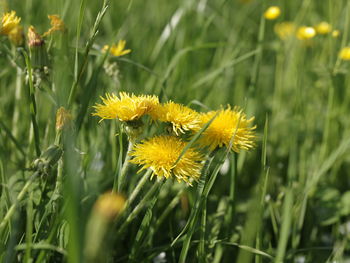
[19,198]
[140,206]
[138,187]
[32,104]
[125,168]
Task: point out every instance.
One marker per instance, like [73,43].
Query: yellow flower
[16,35]
[284,30]
[126,107]
[344,54]
[305,32]
[8,22]
[227,124]
[272,12]
[335,33]
[56,25]
[181,117]
[323,28]
[160,154]
[117,50]
[109,205]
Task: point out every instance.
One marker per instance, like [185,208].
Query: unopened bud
[34,39]
[63,118]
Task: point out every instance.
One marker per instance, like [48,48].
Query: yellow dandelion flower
[181,117]
[8,22]
[117,50]
[284,30]
[272,12]
[335,33]
[109,205]
[56,25]
[125,107]
[305,32]
[323,28]
[160,154]
[228,123]
[344,54]
[16,35]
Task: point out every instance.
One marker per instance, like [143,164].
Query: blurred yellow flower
[16,35]
[344,54]
[272,12]
[126,107]
[160,154]
[305,32]
[117,50]
[227,124]
[56,25]
[8,22]
[284,30]
[323,28]
[335,33]
[109,205]
[181,117]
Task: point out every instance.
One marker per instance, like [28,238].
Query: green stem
[125,168]
[19,198]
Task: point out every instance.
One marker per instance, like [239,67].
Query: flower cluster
[165,154]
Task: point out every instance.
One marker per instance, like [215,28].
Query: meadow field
[175,131]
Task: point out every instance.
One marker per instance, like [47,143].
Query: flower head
[284,30]
[181,117]
[56,25]
[323,28]
[335,33]
[8,22]
[228,125]
[16,35]
[305,32]
[117,50]
[109,205]
[272,12]
[160,154]
[125,107]
[344,54]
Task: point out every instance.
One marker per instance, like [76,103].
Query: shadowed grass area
[285,200]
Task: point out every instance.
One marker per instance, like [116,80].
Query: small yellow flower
[126,107]
[181,117]
[117,50]
[109,205]
[16,35]
[344,54]
[227,124]
[8,22]
[305,32]
[323,28]
[272,12]
[284,30]
[56,25]
[34,38]
[160,154]
[335,33]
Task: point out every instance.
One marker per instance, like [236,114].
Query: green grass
[287,200]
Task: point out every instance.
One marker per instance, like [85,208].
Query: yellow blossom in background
[228,124]
[305,32]
[323,28]
[181,117]
[117,50]
[160,154]
[284,30]
[272,12]
[125,107]
[56,25]
[109,205]
[9,21]
[335,33]
[16,35]
[344,54]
